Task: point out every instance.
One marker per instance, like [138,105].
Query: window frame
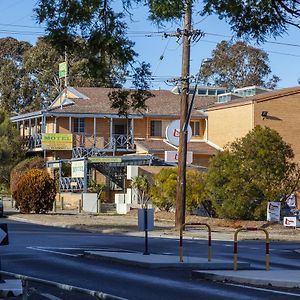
[195,128]
[152,128]
[79,125]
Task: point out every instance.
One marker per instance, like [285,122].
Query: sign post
[146,223]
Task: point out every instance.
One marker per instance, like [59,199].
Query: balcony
[84,144]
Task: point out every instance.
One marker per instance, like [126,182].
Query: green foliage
[250,19]
[255,19]
[163,191]
[22,168]
[94,31]
[95,187]
[35,192]
[195,189]
[141,185]
[238,65]
[11,150]
[15,89]
[250,172]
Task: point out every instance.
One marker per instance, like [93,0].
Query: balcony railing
[82,141]
[33,141]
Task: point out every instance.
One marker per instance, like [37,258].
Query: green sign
[108,159]
[57,141]
[63,70]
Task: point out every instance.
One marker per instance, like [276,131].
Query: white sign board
[290,221]
[173,133]
[291,200]
[273,211]
[172,156]
[142,225]
[77,169]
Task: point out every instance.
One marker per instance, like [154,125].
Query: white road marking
[264,290]
[54,250]
[51,251]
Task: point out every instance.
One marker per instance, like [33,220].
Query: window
[156,128]
[79,125]
[195,128]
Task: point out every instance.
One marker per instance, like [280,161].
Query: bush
[22,168]
[163,192]
[35,192]
[250,172]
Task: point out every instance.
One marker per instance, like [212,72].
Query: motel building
[79,131]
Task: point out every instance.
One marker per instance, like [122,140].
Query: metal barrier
[209,239]
[66,287]
[235,245]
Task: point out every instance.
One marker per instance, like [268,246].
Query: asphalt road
[55,254]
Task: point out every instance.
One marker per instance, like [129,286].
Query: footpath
[201,268]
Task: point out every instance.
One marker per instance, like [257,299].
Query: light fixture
[264,114]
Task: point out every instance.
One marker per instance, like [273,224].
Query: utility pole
[184,103]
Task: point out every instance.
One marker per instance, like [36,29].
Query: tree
[109,54]
[251,19]
[250,172]
[15,87]
[11,150]
[141,185]
[238,65]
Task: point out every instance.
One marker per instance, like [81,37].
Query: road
[55,254]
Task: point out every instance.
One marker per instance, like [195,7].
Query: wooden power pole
[182,151]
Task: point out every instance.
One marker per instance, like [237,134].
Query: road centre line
[263,290]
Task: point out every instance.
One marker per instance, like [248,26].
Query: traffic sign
[3,235]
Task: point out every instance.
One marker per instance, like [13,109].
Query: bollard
[209,255]
[62,203]
[54,206]
[79,206]
[235,245]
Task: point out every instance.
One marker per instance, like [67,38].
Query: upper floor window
[79,125]
[195,128]
[156,128]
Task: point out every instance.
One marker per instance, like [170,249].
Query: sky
[164,54]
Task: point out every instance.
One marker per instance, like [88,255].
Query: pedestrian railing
[26,290]
[181,239]
[235,248]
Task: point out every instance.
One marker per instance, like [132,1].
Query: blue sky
[164,54]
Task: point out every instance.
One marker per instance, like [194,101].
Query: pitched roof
[157,146]
[164,103]
[257,98]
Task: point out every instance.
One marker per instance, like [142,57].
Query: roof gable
[65,96]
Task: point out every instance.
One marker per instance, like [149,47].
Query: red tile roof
[163,103]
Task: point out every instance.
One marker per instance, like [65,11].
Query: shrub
[35,192]
[22,168]
[163,192]
[250,172]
